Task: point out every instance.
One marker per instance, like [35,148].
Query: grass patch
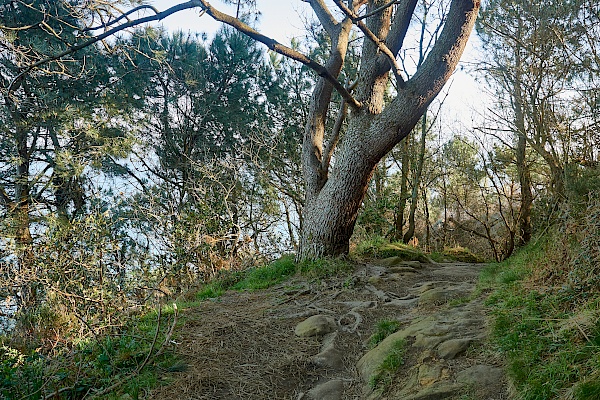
[461,300]
[267,276]
[130,360]
[383,329]
[390,365]
[544,334]
[461,254]
[324,267]
[379,247]
[370,247]
[250,279]
[271,274]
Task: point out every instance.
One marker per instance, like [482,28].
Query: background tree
[57,124]
[535,79]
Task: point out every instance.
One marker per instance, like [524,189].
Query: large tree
[337,164]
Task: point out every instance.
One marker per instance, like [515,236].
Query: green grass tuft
[251,279]
[461,254]
[390,365]
[379,247]
[267,276]
[324,267]
[384,328]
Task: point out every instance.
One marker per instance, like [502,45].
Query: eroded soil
[243,345]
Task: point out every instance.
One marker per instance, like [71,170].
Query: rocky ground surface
[310,339]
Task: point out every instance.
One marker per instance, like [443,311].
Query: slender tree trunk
[427,222]
[399,221]
[524,217]
[416,181]
[21,229]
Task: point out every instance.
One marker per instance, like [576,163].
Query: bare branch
[5,198]
[125,15]
[335,137]
[400,25]
[380,9]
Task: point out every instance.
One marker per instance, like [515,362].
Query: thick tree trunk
[329,218]
[334,194]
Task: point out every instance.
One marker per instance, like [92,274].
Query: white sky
[283,19]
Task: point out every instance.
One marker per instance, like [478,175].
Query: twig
[54,395]
[169,332]
[143,364]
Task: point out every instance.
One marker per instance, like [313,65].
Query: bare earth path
[244,345]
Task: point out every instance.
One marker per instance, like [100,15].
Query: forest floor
[260,345]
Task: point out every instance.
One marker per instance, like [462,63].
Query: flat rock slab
[480,375]
[317,325]
[453,347]
[330,356]
[403,270]
[442,294]
[435,392]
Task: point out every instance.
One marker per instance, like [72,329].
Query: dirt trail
[247,345]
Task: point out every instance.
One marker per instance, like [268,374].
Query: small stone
[374,280]
[395,277]
[329,358]
[429,341]
[434,296]
[316,325]
[331,390]
[480,375]
[401,302]
[453,347]
[435,392]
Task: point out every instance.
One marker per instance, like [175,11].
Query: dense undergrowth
[545,302]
